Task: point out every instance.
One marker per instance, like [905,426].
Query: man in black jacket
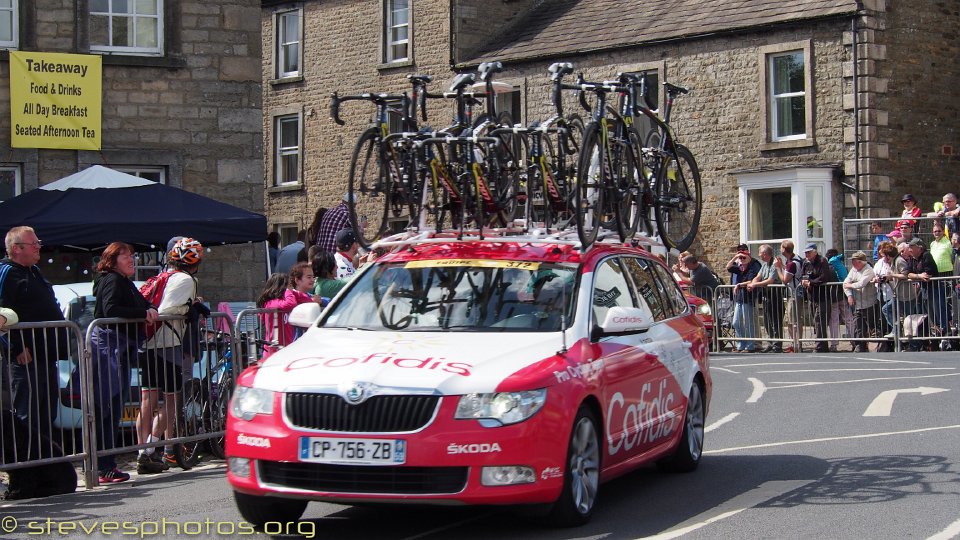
[32,354]
[816,272]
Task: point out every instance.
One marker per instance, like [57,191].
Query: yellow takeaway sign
[55,100]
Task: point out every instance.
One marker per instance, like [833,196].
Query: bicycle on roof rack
[670,171]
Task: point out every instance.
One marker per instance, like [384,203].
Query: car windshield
[460,295]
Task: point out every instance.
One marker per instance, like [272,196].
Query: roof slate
[574,26]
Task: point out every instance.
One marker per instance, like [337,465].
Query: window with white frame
[396,42]
[9,24]
[154,174]
[10,183]
[786,84]
[786,204]
[787,96]
[289,53]
[126,26]
[288,233]
[287,149]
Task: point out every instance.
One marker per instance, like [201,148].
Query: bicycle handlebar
[382,98]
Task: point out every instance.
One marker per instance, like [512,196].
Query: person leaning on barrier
[904,290]
[948,214]
[114,345]
[932,299]
[771,298]
[702,278]
[162,368]
[883,271]
[788,270]
[743,268]
[33,354]
[816,273]
[861,295]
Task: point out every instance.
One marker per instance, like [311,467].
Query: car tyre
[581,480]
[687,456]
[261,510]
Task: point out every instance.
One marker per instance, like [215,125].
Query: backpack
[795,280]
[152,290]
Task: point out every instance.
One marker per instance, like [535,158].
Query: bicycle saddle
[487,69]
[462,81]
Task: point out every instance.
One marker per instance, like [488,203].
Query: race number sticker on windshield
[482,263]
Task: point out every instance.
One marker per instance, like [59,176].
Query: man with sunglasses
[32,354]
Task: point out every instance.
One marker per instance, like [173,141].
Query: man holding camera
[743,268]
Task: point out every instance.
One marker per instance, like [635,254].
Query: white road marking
[758,390]
[762,493]
[865,361]
[861,369]
[827,439]
[723,369]
[787,384]
[721,422]
[952,531]
[882,405]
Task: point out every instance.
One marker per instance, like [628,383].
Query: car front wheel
[581,481]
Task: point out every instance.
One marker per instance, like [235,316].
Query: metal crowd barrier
[34,355]
[914,315]
[254,325]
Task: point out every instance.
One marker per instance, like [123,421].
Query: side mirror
[304,315]
[624,320]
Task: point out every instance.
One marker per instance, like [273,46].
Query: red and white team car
[508,371]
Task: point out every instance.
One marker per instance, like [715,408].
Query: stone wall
[196,111]
[909,51]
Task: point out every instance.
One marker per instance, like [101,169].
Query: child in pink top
[284,292]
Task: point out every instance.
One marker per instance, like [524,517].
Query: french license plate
[353,451]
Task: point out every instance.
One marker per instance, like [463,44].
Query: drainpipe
[856,116]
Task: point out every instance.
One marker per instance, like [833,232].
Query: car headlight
[504,407]
[704,309]
[248,402]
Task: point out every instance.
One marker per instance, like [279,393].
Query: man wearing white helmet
[162,370]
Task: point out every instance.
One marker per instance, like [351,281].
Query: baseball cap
[810,247]
[859,256]
[908,197]
[345,238]
[895,234]
[917,242]
[903,222]
[743,248]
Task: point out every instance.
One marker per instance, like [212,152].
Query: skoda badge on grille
[355,393]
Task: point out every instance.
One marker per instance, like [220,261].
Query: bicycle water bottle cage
[487,69]
[462,81]
[559,69]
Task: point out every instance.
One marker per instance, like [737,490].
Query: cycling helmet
[187,251]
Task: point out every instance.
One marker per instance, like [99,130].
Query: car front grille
[364,479]
[379,414]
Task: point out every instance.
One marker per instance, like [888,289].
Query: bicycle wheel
[405,196]
[189,423]
[678,201]
[589,192]
[644,196]
[446,204]
[369,188]
[626,179]
[218,416]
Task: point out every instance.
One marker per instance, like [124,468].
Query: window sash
[130,27]
[9,24]
[154,174]
[288,44]
[287,155]
[11,184]
[788,115]
[397,31]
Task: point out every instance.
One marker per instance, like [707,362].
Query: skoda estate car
[503,371]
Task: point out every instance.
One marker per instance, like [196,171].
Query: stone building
[181,104]
[822,109]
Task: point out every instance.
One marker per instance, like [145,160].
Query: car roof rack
[511,235]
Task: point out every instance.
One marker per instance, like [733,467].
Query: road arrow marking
[883,404]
